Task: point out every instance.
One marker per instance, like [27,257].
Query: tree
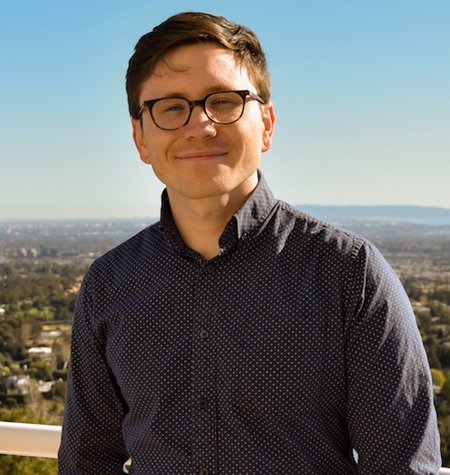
[431,346]
[444,429]
[8,342]
[14,465]
[40,370]
[446,389]
[438,377]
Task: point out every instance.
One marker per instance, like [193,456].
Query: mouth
[201,155]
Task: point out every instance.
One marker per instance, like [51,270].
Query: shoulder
[129,253]
[337,252]
[322,237]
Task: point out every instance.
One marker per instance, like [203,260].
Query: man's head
[199,115]
[191,28]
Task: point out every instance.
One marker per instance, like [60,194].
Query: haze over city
[361,92]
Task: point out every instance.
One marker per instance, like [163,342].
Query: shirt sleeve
[92,435]
[391,416]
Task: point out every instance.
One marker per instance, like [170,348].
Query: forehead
[196,69]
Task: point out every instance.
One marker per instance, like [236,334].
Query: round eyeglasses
[172,113]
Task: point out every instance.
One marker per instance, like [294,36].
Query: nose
[199,125]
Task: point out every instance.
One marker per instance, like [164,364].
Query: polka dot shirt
[294,351]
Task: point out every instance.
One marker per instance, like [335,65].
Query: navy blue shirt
[290,352]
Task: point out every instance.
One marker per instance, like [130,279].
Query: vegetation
[35,298]
[430,299]
[15,465]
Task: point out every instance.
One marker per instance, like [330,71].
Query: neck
[201,222]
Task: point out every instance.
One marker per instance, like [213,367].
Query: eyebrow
[209,90]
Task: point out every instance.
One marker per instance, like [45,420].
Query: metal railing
[38,440]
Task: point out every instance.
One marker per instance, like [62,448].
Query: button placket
[203,371]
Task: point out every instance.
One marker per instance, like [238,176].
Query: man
[237,335]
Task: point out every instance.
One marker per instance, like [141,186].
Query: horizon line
[297,206]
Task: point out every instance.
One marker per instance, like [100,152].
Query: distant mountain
[390,213]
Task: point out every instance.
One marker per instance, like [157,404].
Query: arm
[391,417]
[92,433]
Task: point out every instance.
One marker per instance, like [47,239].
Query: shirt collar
[244,224]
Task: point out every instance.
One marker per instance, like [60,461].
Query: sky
[361,93]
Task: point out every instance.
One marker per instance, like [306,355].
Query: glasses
[172,113]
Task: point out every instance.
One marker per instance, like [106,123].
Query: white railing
[33,440]
[37,440]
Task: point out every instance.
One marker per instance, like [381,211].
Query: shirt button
[203,403]
[210,268]
[203,471]
[204,334]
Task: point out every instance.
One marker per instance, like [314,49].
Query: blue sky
[361,91]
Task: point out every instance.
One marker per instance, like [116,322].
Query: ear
[139,140]
[268,117]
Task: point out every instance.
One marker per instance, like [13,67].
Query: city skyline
[361,93]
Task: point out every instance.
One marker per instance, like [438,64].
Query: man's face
[204,159]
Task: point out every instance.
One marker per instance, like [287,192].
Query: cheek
[253,137]
[157,148]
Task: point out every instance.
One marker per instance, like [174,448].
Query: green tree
[432,347]
[8,341]
[438,377]
[444,356]
[14,465]
[446,389]
[40,370]
[444,429]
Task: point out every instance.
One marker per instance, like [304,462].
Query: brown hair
[193,27]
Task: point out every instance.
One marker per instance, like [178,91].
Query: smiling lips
[201,155]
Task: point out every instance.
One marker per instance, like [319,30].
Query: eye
[221,101]
[174,108]
[170,106]
[224,101]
